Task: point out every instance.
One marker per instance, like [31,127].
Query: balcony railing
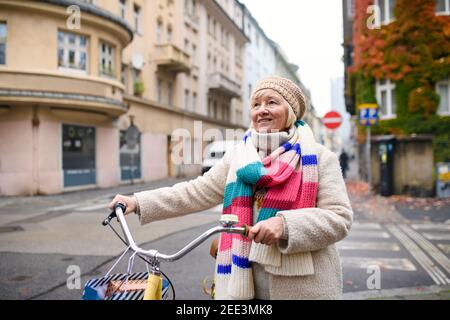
[172,58]
[219,82]
[192,21]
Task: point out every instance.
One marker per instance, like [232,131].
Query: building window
[169,34]
[194,101]
[186,99]
[123,9]
[159,90]
[138,86]
[124,76]
[194,8]
[3,37]
[137,18]
[107,57]
[209,107]
[72,51]
[386,7]
[443,6]
[443,89]
[386,98]
[170,94]
[194,54]
[159,27]
[208,23]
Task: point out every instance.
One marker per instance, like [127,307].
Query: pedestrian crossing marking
[401,264]
[428,247]
[437,236]
[430,267]
[431,226]
[366,226]
[444,247]
[359,245]
[369,234]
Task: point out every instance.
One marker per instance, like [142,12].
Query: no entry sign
[332,120]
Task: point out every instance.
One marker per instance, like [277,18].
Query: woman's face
[269,111]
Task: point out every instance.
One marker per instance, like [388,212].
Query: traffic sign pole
[368,157]
[368,116]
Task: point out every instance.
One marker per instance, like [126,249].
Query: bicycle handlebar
[119,210]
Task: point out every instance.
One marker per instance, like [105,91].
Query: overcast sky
[310,33]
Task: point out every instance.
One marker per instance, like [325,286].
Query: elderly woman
[282,183]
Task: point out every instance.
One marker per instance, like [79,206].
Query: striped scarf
[290,175]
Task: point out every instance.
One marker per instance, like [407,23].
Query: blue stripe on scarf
[235,190]
[248,135]
[224,269]
[309,160]
[251,173]
[241,262]
[296,147]
[266,213]
[287,146]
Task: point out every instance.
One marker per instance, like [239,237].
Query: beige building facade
[75,76]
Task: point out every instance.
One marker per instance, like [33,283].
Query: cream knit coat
[311,232]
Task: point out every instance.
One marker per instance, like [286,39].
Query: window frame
[4,41]
[159,90]
[137,19]
[447,9]
[388,17]
[113,74]
[446,82]
[389,88]
[123,9]
[76,47]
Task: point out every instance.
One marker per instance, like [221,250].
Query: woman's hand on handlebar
[130,203]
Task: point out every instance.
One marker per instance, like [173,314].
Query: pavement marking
[431,226]
[428,247]
[359,245]
[445,247]
[384,263]
[432,269]
[95,207]
[369,234]
[437,236]
[392,293]
[367,226]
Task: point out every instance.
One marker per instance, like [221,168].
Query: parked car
[215,151]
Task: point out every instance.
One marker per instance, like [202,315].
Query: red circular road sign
[332,120]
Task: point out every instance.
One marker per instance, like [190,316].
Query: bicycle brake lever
[109,218]
[113,214]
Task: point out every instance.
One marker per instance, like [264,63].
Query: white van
[215,151]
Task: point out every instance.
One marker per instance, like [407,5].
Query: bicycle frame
[154,282]
[227,226]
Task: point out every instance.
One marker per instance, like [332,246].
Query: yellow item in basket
[154,288]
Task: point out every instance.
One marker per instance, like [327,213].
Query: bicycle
[153,284]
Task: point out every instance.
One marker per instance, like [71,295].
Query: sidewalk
[414,293]
[15,210]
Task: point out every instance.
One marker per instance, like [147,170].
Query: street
[44,239]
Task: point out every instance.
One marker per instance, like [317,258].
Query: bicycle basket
[121,286]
